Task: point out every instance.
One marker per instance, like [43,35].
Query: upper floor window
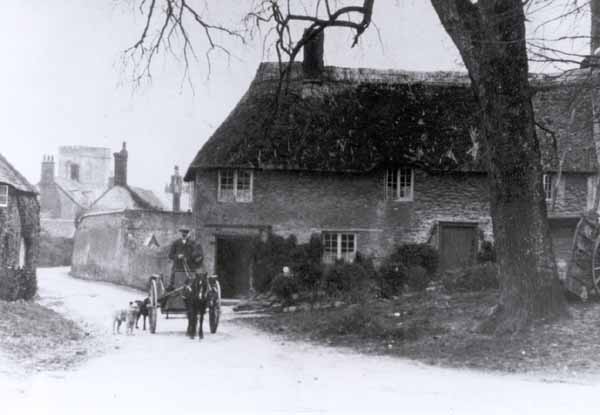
[3,195]
[399,184]
[235,186]
[338,246]
[547,183]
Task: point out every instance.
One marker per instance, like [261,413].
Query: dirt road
[239,370]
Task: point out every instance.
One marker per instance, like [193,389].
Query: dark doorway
[458,245]
[234,265]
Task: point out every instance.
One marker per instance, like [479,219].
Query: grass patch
[39,338]
[441,329]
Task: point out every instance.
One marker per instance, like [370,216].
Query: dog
[143,311]
[119,317]
[132,316]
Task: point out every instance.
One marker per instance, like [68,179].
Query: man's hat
[184,230]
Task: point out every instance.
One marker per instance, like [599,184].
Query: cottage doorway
[234,265]
[458,245]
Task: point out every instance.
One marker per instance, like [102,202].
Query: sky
[63,81]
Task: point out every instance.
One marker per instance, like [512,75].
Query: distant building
[124,235]
[83,175]
[19,220]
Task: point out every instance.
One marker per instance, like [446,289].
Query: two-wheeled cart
[170,301]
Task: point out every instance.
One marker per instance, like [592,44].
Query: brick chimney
[176,189]
[48,169]
[313,64]
[121,167]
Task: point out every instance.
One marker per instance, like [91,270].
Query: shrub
[17,284]
[423,255]
[304,260]
[284,287]
[480,277]
[351,281]
[411,265]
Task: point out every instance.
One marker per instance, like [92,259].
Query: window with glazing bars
[399,184]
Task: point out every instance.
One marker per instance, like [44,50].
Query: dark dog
[143,311]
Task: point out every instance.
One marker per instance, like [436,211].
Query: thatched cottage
[19,220]
[370,159]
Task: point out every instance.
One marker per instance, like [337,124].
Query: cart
[583,269]
[168,301]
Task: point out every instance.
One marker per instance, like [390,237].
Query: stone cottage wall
[303,203]
[19,220]
[120,247]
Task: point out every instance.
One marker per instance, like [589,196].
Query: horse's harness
[188,287]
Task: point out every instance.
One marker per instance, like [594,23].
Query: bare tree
[491,38]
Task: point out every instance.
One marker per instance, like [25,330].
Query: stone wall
[19,230]
[125,247]
[62,228]
[303,203]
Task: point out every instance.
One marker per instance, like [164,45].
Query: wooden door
[458,245]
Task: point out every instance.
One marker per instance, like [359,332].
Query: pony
[194,297]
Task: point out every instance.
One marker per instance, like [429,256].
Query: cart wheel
[214,309]
[596,266]
[153,309]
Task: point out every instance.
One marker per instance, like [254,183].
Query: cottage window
[547,183]
[3,195]
[339,246]
[235,186]
[399,184]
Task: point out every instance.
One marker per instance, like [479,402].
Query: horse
[194,297]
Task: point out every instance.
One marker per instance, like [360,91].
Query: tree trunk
[490,36]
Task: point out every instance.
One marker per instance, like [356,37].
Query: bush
[412,265]
[423,255]
[55,251]
[351,281]
[17,284]
[480,277]
[304,260]
[284,287]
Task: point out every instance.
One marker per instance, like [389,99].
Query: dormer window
[235,186]
[3,195]
[399,184]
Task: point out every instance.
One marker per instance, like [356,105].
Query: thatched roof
[11,176]
[354,120]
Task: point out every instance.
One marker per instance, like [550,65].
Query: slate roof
[11,176]
[126,197]
[354,120]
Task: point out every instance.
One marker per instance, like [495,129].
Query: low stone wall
[126,247]
[59,228]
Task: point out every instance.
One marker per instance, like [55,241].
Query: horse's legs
[200,331]
[202,310]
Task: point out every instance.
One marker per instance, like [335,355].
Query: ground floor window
[338,246]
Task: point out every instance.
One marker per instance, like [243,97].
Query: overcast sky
[62,83]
